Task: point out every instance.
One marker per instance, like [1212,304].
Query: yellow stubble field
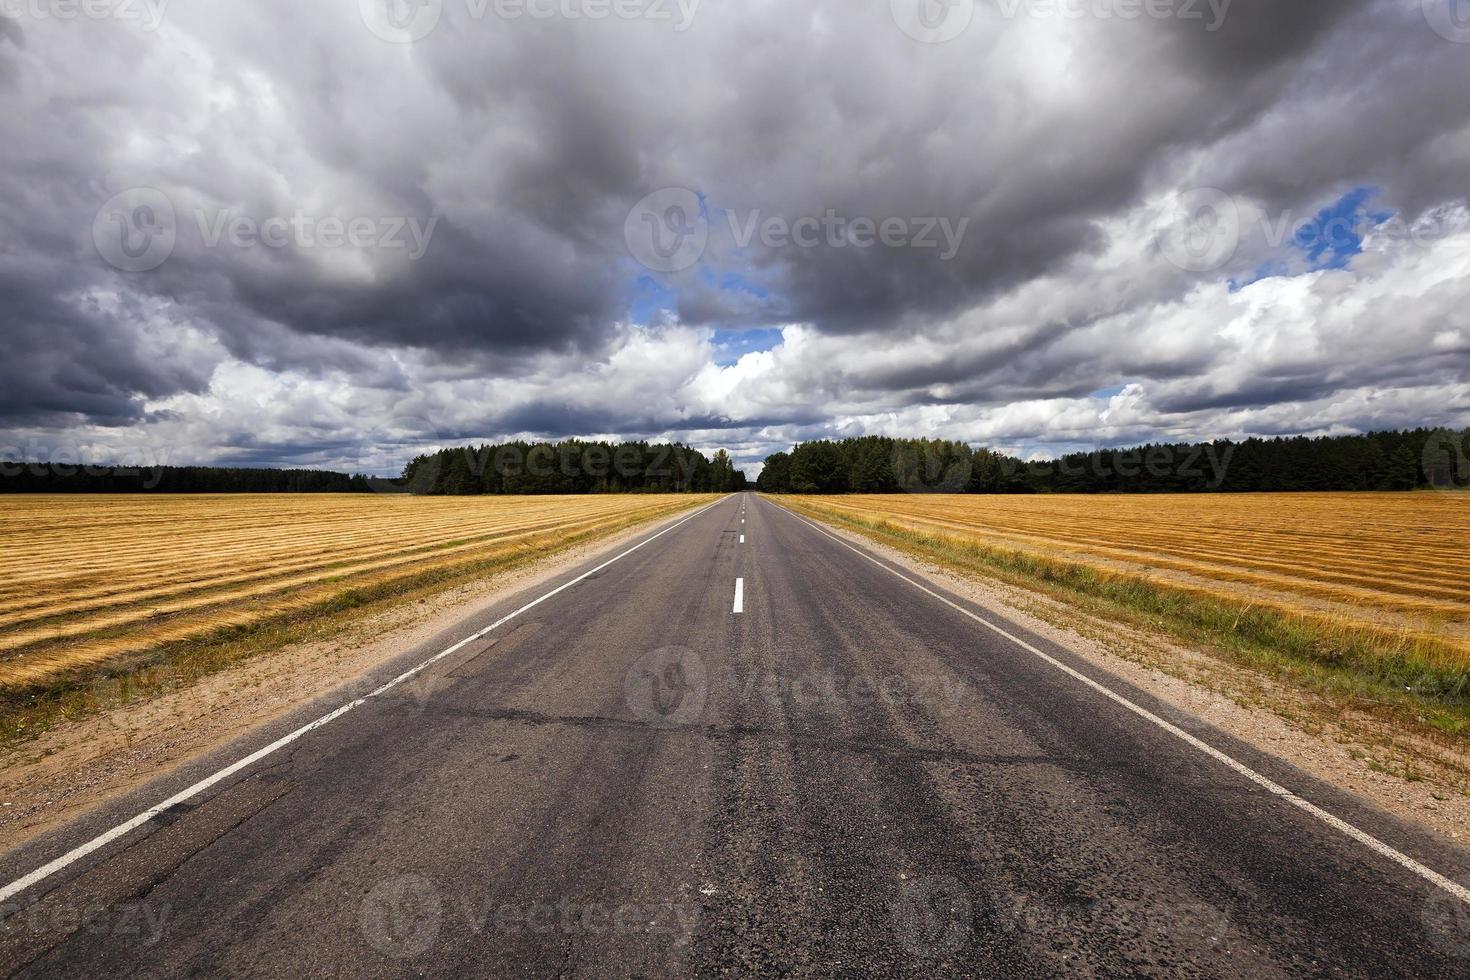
[93,578]
[1389,560]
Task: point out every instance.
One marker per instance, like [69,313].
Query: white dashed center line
[739,595]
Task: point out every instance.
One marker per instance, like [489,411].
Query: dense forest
[871,464]
[1376,461]
[74,478]
[573,466]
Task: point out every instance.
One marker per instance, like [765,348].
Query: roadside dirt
[74,767]
[1415,779]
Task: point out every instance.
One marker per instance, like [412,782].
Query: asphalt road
[849,776]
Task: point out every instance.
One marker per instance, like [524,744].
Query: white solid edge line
[739,596]
[121,830]
[1276,789]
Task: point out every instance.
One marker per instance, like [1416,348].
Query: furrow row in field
[1352,574]
[123,591]
[1210,572]
[402,555]
[38,563]
[1443,525]
[1347,592]
[1418,565]
[35,666]
[1146,536]
[21,638]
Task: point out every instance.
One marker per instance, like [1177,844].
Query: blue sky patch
[650,297]
[731,345]
[1109,392]
[1327,240]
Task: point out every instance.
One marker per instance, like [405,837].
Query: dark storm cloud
[1258,35]
[1032,192]
[67,359]
[464,297]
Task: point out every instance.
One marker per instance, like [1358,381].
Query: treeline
[1377,461]
[76,478]
[573,466]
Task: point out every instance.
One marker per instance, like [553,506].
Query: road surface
[744,747]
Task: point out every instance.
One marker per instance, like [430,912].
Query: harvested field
[1394,562]
[92,579]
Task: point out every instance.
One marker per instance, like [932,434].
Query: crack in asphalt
[761,733]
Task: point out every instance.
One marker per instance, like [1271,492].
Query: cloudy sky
[338,232]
